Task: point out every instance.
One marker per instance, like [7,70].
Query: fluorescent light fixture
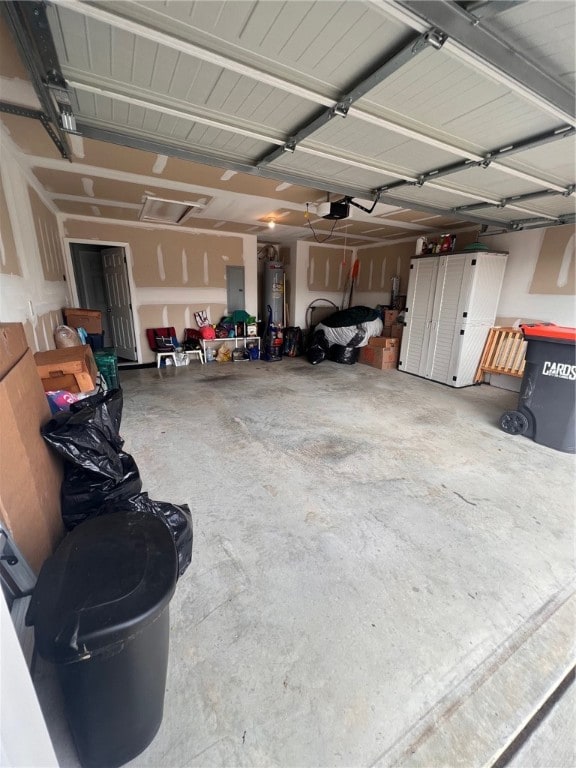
[163,211]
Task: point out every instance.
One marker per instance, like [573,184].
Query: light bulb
[271,224]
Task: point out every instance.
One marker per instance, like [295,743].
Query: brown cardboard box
[384,341]
[379,357]
[89,319]
[13,346]
[390,316]
[396,330]
[30,475]
[72,368]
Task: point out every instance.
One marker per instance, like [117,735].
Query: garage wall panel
[328,268]
[178,315]
[166,258]
[9,262]
[48,236]
[517,301]
[555,269]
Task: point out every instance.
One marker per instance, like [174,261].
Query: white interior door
[119,302]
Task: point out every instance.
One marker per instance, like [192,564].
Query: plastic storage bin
[547,401]
[107,364]
[100,614]
[96,341]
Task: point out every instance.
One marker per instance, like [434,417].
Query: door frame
[74,290]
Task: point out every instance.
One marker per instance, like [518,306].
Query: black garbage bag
[99,478]
[110,402]
[346,355]
[85,494]
[177,517]
[87,438]
[318,348]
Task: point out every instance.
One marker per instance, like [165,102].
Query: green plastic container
[107,364]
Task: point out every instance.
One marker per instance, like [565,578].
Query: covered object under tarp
[343,332]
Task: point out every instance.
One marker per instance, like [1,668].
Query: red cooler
[547,402]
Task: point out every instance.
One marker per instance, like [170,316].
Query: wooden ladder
[504,352]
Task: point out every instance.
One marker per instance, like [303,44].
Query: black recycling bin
[100,614]
[547,401]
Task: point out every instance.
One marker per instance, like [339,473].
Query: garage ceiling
[459,110]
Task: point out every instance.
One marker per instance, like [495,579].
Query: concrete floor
[380,577]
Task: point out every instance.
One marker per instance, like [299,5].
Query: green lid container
[107,363]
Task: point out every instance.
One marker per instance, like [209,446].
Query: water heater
[274,291]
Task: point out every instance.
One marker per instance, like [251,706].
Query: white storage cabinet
[451,305]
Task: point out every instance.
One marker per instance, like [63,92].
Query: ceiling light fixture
[271,224]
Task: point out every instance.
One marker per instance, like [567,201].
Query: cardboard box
[89,319]
[30,474]
[13,346]
[72,368]
[379,357]
[390,316]
[384,341]
[396,330]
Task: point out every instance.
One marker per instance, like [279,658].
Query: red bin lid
[549,331]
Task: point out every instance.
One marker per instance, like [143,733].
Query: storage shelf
[234,341]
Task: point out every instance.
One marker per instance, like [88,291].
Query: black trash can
[100,614]
[547,401]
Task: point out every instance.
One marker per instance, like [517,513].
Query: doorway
[101,276]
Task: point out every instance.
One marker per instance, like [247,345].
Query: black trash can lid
[110,577]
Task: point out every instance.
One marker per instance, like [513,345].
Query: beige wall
[328,268]
[48,238]
[555,270]
[40,333]
[167,258]
[377,268]
[316,272]
[9,262]
[539,281]
[32,286]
